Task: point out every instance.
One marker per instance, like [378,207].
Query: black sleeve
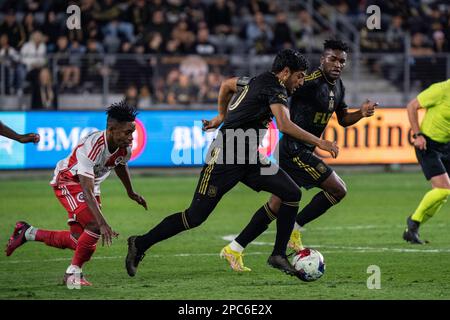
[275,94]
[308,87]
[243,81]
[342,105]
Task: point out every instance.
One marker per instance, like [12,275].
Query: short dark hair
[121,112]
[290,58]
[335,44]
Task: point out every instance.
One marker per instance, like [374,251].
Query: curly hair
[335,44]
[121,112]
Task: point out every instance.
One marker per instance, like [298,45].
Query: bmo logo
[61,139]
[139,140]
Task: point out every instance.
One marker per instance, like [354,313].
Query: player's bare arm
[124,175]
[88,191]
[346,118]
[227,89]
[22,138]
[413,116]
[286,126]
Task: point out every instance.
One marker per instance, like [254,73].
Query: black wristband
[415,135]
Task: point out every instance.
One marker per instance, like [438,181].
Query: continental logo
[383,138]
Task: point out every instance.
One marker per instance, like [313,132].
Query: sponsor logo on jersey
[80,197]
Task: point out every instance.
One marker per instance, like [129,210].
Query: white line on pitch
[231,237]
[123,257]
[361,227]
[325,249]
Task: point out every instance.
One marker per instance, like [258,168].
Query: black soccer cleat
[283,264]
[411,234]
[133,257]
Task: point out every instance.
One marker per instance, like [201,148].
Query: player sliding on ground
[76,184]
[311,108]
[246,106]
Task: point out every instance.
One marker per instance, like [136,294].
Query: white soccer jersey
[91,158]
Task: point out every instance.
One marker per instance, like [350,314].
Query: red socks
[85,248]
[57,239]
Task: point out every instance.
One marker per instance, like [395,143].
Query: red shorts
[72,199]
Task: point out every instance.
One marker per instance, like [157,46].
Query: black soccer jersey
[312,106]
[249,110]
[250,107]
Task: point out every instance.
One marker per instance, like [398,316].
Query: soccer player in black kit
[244,105]
[311,107]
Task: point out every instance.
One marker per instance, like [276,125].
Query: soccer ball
[310,264]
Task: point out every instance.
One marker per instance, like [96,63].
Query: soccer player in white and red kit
[76,183]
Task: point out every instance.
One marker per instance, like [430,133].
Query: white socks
[72,269]
[30,233]
[236,246]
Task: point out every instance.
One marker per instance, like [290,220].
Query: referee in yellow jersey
[432,145]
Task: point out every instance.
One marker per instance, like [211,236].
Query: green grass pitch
[365,229]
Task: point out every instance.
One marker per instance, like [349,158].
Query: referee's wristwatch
[415,135]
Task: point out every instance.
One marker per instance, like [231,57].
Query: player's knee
[75,235]
[93,227]
[274,203]
[291,195]
[194,219]
[339,191]
[76,230]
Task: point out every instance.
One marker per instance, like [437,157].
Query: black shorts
[307,170]
[435,160]
[217,178]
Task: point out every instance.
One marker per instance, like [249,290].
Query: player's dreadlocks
[121,112]
[292,59]
[335,44]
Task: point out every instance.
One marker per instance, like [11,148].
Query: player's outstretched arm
[88,191]
[227,89]
[286,126]
[124,175]
[346,118]
[22,138]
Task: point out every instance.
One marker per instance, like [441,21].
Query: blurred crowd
[122,42]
